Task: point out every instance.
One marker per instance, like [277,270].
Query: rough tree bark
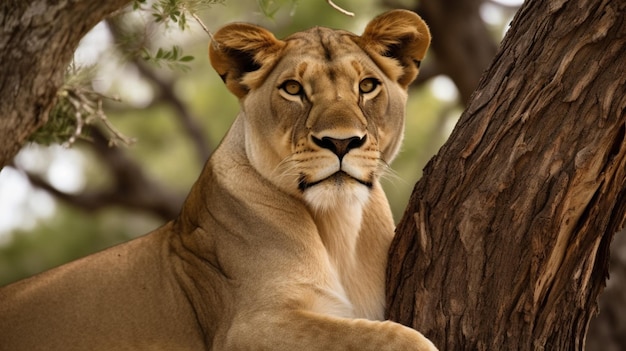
[607,331]
[504,245]
[38,40]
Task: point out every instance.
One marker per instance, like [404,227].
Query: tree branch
[427,72]
[168,95]
[338,8]
[36,48]
[187,121]
[131,187]
[462,43]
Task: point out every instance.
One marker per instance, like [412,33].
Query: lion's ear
[401,35]
[241,48]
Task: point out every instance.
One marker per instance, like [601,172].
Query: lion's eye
[292,87]
[368,85]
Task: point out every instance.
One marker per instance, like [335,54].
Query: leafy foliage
[66,118]
[173,58]
[176,11]
[165,10]
[78,106]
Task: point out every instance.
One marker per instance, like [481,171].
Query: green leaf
[186,58]
[182,22]
[145,54]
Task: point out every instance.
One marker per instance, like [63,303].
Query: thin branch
[131,188]
[214,43]
[78,131]
[97,200]
[87,109]
[338,8]
[111,128]
[188,122]
[201,24]
[91,201]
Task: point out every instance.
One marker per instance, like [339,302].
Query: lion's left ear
[401,35]
[239,49]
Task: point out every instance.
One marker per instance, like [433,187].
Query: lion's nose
[340,147]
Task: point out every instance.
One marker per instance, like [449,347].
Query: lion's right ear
[239,49]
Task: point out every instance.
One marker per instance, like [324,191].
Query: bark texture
[38,40]
[505,242]
[607,331]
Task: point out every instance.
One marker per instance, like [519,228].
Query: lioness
[282,242]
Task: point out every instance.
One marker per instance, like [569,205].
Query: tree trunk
[37,43]
[505,242]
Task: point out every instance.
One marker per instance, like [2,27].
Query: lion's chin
[338,190]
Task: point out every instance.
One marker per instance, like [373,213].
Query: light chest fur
[358,288]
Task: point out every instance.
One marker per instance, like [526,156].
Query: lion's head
[324,109]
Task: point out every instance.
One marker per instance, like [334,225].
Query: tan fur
[282,242]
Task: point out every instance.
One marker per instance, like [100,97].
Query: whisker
[286,168]
[389,174]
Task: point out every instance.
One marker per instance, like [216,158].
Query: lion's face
[323,109]
[326,121]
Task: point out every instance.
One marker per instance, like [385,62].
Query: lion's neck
[339,229]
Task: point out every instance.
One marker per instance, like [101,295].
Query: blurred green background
[42,228]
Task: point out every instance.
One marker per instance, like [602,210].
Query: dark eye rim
[283,87]
[375,84]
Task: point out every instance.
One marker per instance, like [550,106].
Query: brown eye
[368,85]
[292,87]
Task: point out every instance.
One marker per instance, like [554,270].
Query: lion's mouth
[338,178]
